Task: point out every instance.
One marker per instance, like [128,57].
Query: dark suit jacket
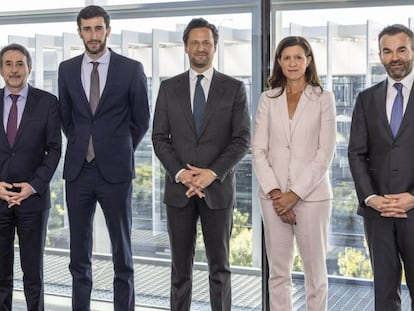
[37,148]
[119,123]
[380,164]
[223,141]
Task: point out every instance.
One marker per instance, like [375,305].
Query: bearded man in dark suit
[105,114]
[381,153]
[201,131]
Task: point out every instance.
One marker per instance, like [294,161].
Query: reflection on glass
[161,51]
[346,48]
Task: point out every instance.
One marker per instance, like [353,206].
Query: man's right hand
[6,194]
[186,177]
[382,204]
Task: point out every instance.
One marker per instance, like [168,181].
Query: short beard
[197,64]
[100,49]
[401,74]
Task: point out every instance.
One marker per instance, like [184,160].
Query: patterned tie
[199,105]
[397,109]
[12,120]
[94,95]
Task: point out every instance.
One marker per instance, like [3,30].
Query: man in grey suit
[201,131]
[381,157]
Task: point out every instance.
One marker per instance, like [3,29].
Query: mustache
[396,62]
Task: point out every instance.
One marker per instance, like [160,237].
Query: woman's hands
[283,202]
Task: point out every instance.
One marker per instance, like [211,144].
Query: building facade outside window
[345,46]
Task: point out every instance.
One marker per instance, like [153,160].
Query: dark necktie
[12,120]
[199,105]
[94,92]
[397,109]
[94,95]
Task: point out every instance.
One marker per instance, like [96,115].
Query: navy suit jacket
[380,164]
[37,148]
[118,125]
[224,138]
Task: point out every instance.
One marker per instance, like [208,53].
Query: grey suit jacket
[380,164]
[223,141]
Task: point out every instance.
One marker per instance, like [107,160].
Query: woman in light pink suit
[293,146]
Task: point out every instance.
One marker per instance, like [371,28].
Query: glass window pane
[157,43]
[24,5]
[346,53]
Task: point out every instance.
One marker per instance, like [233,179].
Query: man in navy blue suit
[105,114]
[30,148]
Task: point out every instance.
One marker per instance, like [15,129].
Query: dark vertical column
[265,22]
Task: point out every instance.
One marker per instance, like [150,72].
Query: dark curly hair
[200,23]
[92,11]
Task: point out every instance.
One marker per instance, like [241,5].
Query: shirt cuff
[213,173]
[178,174]
[368,198]
[33,189]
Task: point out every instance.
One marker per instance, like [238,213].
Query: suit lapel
[111,78]
[29,109]
[2,130]
[283,115]
[215,95]
[380,98]
[182,91]
[303,104]
[408,115]
[76,73]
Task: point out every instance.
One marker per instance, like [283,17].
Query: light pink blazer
[301,149]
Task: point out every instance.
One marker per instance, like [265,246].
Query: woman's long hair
[278,79]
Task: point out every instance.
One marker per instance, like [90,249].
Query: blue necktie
[199,105]
[397,109]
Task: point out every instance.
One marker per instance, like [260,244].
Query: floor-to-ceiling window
[151,33]
[344,40]
[345,44]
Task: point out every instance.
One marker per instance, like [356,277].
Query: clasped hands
[196,179]
[14,198]
[283,202]
[392,205]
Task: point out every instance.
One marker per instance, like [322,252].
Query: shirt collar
[407,81]
[208,74]
[23,92]
[104,59]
